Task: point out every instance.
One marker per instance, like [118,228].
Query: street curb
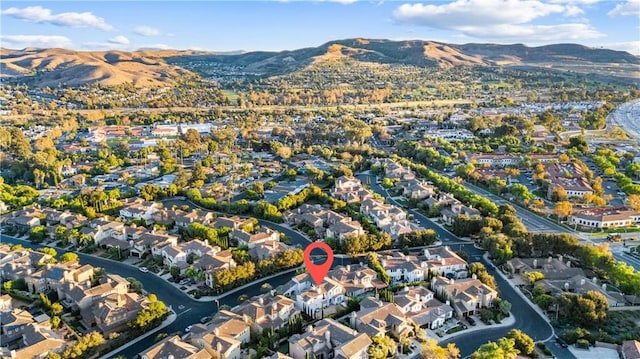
[504,323]
[531,304]
[172,317]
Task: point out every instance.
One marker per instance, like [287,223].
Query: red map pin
[318,271]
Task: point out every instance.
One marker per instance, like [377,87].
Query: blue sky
[281,25]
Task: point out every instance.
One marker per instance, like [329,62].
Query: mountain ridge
[160,67]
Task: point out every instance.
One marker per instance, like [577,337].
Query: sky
[291,24]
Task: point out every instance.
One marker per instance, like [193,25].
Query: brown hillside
[50,67]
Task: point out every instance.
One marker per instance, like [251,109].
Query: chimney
[219,348]
[448,302]
[327,336]
[569,264]
[474,276]
[261,300]
[309,328]
[535,263]
[348,268]
[216,331]
[582,281]
[594,280]
[604,286]
[560,258]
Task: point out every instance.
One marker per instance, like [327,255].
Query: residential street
[190,311]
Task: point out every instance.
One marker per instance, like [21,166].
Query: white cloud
[573,10]
[39,14]
[498,19]
[120,40]
[146,30]
[629,8]
[582,2]
[632,47]
[22,41]
[534,33]
[474,12]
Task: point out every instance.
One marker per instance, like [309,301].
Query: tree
[48,250]
[382,347]
[503,349]
[431,350]
[633,200]
[558,194]
[563,209]
[56,308]
[522,341]
[68,257]
[135,285]
[533,276]
[55,322]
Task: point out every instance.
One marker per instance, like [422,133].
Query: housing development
[479,200]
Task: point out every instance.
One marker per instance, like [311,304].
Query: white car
[188,329]
[144,269]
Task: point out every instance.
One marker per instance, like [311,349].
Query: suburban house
[139,209]
[329,339]
[13,321]
[320,300]
[403,268]
[38,341]
[551,268]
[449,213]
[357,279]
[267,249]
[416,189]
[465,295]
[446,262]
[185,219]
[419,304]
[223,337]
[580,284]
[267,311]
[234,222]
[113,312]
[326,223]
[152,242]
[177,255]
[252,239]
[377,318]
[174,347]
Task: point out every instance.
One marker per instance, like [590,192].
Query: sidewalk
[524,297]
[218,297]
[506,322]
[170,319]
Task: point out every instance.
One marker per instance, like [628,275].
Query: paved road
[627,116]
[444,235]
[533,222]
[191,311]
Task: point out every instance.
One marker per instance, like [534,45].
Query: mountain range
[148,68]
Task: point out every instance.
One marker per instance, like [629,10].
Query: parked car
[204,320]
[188,329]
[184,281]
[471,321]
[561,342]
[144,269]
